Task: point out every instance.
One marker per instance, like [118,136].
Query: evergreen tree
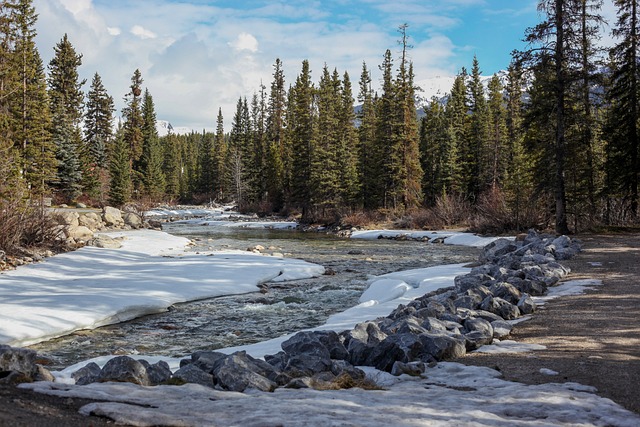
[348,146]
[275,138]
[29,103]
[456,113]
[66,103]
[207,164]
[119,171]
[623,136]
[98,122]
[435,149]
[172,166]
[496,136]
[368,158]
[238,153]
[301,125]
[133,122]
[220,149]
[258,152]
[153,182]
[475,170]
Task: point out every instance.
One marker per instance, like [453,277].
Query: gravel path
[592,339]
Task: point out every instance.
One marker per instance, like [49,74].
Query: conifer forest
[551,143]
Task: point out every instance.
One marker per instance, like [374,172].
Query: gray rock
[500,307]
[496,249]
[325,344]
[468,301]
[91,220]
[398,347]
[78,232]
[112,217]
[124,369]
[90,373]
[526,304]
[361,339]
[192,374]
[443,347]
[238,372]
[476,339]
[468,281]
[132,220]
[20,360]
[501,328]
[207,360]
[506,291]
[414,369]
[158,373]
[104,241]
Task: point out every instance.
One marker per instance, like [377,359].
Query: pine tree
[66,103]
[29,103]
[120,186]
[133,122]
[98,122]
[476,143]
[153,182]
[623,163]
[277,154]
[348,146]
[172,166]
[301,125]
[220,149]
[456,113]
[494,159]
[258,153]
[207,164]
[435,151]
[369,160]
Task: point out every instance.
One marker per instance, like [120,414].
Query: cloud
[143,33]
[245,41]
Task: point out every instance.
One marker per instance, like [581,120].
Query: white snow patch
[450,238]
[570,287]
[508,346]
[550,372]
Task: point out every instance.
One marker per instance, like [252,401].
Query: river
[275,309]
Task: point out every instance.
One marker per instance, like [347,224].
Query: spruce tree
[277,152]
[301,124]
[120,186]
[171,166]
[494,158]
[623,139]
[348,149]
[98,122]
[453,178]
[369,160]
[153,182]
[475,149]
[132,125]
[435,151]
[220,156]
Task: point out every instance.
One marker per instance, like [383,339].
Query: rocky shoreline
[435,327]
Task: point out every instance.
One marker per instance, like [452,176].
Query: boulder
[501,328]
[78,232]
[526,304]
[190,373]
[469,281]
[158,373]
[500,307]
[90,373]
[506,291]
[91,220]
[20,361]
[132,220]
[239,372]
[112,217]
[104,241]
[414,369]
[361,339]
[325,344]
[442,346]
[497,249]
[66,218]
[124,369]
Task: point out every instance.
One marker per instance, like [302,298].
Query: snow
[450,238]
[449,394]
[92,286]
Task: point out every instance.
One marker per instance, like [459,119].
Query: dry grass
[345,381]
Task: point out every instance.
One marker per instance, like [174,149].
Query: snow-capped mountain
[164,128]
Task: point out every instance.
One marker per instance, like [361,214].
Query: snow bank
[93,287]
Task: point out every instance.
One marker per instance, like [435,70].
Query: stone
[414,369]
[90,373]
[361,339]
[192,374]
[324,344]
[526,305]
[112,217]
[132,220]
[17,359]
[497,249]
[443,347]
[78,232]
[501,328]
[468,301]
[398,347]
[91,220]
[468,281]
[506,291]
[238,372]
[104,241]
[66,218]
[158,373]
[500,307]
[124,369]
[206,360]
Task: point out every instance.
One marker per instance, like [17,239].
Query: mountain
[164,128]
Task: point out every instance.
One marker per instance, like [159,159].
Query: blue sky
[200,55]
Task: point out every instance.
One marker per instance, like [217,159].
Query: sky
[197,56]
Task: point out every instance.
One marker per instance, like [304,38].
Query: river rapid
[275,309]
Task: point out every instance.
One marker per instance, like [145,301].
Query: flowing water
[272,311]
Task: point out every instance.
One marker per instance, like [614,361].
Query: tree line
[553,140]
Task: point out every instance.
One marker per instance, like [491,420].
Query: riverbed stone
[158,373]
[124,369]
[112,217]
[18,360]
[132,220]
[190,373]
[526,305]
[90,373]
[443,346]
[238,372]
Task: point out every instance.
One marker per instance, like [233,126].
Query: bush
[25,226]
[493,215]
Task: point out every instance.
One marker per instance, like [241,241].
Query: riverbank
[454,394]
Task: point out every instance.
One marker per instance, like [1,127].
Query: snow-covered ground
[151,271]
[449,237]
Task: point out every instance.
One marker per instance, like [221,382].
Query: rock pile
[78,228]
[437,326]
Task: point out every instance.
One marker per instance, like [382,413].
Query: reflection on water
[273,310]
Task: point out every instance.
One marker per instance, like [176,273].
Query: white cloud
[114,31]
[245,41]
[143,33]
